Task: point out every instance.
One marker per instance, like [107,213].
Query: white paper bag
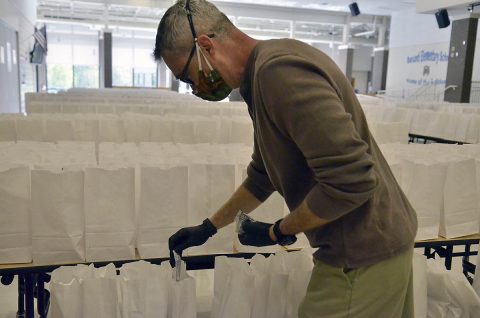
[233,285]
[209,187]
[163,208]
[59,129]
[183,131]
[260,266]
[385,132]
[161,130]
[137,128]
[460,213]
[277,292]
[204,280]
[109,214]
[242,131]
[182,298]
[51,107]
[451,291]
[66,293]
[7,129]
[86,129]
[423,183]
[111,129]
[57,212]
[99,293]
[15,236]
[144,290]
[206,130]
[30,129]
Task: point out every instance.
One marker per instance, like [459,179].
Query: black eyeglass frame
[184,74]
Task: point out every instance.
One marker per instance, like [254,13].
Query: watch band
[283,239]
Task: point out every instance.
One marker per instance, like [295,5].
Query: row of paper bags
[441,183]
[72,214]
[141,290]
[270,287]
[139,106]
[144,128]
[127,128]
[460,127]
[35,153]
[441,106]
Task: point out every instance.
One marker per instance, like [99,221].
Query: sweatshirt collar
[246,84]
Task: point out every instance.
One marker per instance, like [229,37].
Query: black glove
[256,234]
[190,236]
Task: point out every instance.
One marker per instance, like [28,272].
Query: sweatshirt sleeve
[257,181]
[304,104]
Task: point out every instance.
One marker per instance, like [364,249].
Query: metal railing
[423,93]
[440,95]
[426,93]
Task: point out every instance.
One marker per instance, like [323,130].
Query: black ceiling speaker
[354,9]
[442,18]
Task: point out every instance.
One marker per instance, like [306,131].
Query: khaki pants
[383,290]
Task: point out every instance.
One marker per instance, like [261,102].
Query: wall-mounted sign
[416,66]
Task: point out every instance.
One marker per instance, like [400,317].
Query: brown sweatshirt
[312,143]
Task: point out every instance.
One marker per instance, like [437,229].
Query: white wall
[326,48]
[361,81]
[419,51]
[408,28]
[362,59]
[362,62]
[21,16]
[431,6]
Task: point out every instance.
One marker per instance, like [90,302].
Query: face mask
[211,87]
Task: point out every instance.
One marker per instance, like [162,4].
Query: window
[72,59]
[132,61]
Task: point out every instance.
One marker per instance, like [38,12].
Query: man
[313,146]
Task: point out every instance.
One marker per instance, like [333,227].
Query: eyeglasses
[184,74]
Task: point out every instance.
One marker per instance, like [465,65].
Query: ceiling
[310,20]
[376,7]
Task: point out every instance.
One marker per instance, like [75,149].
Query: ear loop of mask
[199,51]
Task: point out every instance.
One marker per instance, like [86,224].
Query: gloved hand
[256,233]
[190,236]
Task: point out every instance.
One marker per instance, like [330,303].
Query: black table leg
[29,301]
[21,297]
[41,296]
[448,256]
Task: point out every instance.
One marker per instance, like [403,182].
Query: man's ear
[206,44]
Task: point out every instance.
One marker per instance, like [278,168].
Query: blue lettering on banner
[421,82]
[428,56]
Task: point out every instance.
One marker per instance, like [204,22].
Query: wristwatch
[283,239]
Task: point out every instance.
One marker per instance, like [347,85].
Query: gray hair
[174,32]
